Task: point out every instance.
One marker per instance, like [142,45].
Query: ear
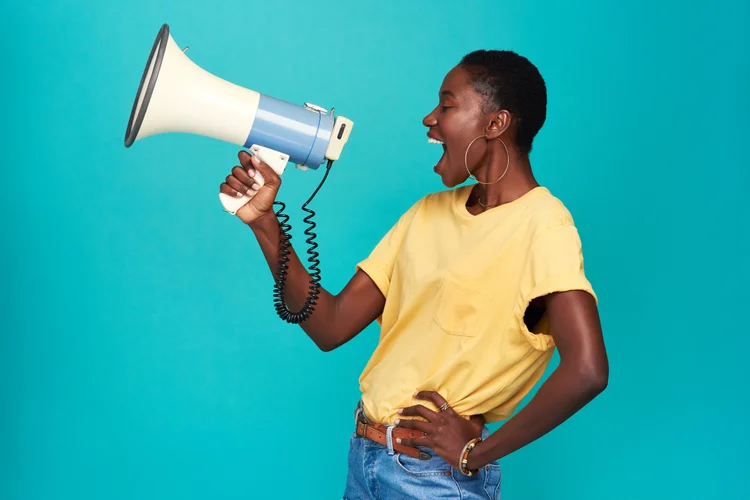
[499,122]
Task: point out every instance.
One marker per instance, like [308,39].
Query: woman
[473,288]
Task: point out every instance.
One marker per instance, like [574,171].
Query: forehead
[458,83]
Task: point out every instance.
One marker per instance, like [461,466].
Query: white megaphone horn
[176,95]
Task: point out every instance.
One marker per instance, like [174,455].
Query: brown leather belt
[377,433]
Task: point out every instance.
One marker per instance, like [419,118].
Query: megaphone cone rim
[157,50]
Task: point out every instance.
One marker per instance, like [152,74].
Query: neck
[518,180]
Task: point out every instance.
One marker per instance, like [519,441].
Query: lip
[435,137]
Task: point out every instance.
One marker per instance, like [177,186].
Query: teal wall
[140,355]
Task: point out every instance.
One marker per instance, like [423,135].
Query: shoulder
[548,211]
[441,199]
[431,201]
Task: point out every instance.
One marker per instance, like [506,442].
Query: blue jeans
[375,472]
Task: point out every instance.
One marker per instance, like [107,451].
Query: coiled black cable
[282,309]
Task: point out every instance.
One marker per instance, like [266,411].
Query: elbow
[588,374]
[329,345]
[598,381]
[326,346]
[595,378]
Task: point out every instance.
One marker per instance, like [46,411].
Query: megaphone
[177,95]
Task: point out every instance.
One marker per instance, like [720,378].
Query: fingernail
[251,172]
[415,394]
[401,411]
[398,440]
[256,186]
[397,421]
[238,195]
[250,192]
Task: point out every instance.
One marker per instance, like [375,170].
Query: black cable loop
[282,309]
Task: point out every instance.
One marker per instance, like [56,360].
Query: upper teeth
[433,141]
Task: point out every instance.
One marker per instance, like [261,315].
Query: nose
[430,120]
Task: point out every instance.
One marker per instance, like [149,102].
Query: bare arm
[336,318]
[582,374]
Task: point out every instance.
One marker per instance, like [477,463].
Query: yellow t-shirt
[457,286]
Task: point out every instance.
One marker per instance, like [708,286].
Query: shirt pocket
[460,309]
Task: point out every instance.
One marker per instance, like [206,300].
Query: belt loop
[389,439]
[357,413]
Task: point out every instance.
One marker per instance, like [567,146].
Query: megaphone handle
[274,159]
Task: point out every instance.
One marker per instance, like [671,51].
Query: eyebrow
[448,93]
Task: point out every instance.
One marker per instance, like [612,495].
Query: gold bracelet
[465,457]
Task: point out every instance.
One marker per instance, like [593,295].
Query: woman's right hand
[256,180]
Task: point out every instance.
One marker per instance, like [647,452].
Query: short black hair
[510,81]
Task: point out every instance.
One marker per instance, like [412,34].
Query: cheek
[458,137]
[460,130]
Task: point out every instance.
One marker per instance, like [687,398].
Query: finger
[249,162]
[242,176]
[414,442]
[415,424]
[229,190]
[245,158]
[246,162]
[419,411]
[268,174]
[235,184]
[434,398]
[257,176]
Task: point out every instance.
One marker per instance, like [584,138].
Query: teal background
[140,353]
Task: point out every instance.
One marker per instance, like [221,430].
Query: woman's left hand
[446,432]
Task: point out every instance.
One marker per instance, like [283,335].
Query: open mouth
[439,164]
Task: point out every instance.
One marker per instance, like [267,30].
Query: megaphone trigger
[274,159]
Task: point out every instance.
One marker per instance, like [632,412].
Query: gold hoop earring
[466,160]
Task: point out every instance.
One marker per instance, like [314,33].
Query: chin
[449,180]
[450,183]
